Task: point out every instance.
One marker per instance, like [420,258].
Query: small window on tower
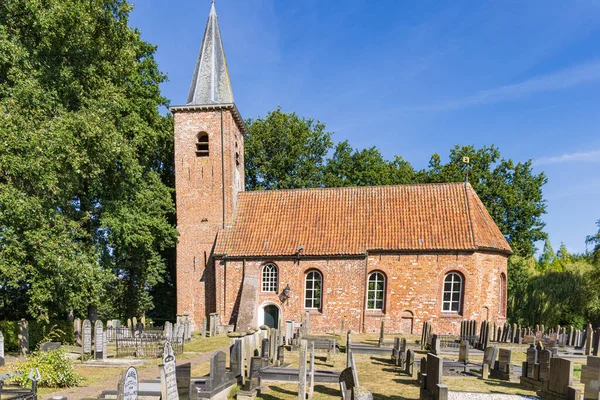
[237,159]
[202,145]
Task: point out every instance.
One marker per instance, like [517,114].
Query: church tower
[209,172]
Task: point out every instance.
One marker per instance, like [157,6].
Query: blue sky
[416,78]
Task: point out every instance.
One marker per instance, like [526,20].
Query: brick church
[405,254]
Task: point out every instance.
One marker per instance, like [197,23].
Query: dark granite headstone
[183,374]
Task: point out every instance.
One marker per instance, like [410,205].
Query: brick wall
[414,285]
[200,196]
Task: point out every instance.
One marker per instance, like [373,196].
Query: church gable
[355,220]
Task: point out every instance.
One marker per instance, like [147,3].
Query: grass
[202,345]
[378,375]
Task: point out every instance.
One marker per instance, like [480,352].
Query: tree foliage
[85,209]
[285,151]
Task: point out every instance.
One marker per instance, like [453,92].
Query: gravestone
[183,374]
[425,334]
[559,386]
[409,364]
[311,371]
[306,324]
[463,352]
[98,340]
[489,356]
[24,337]
[588,339]
[503,368]
[590,377]
[168,377]
[302,370]
[77,331]
[532,370]
[544,357]
[596,342]
[129,324]
[235,358]
[253,381]
[381,333]
[49,346]
[134,323]
[204,327]
[87,337]
[168,331]
[432,387]
[435,344]
[289,332]
[128,385]
[1,349]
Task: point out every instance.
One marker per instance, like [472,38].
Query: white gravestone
[168,377]
[129,385]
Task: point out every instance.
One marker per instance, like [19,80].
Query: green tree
[367,167]
[594,240]
[511,192]
[85,208]
[285,151]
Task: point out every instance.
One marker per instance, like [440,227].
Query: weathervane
[466,161]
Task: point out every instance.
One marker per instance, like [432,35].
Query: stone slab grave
[217,385]
[268,372]
[24,337]
[349,384]
[503,368]
[559,385]
[49,346]
[323,343]
[590,377]
[361,348]
[432,387]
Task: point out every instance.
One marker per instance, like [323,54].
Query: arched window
[202,145]
[376,291]
[502,296]
[452,292]
[269,278]
[312,291]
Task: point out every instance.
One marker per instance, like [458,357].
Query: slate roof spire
[210,84]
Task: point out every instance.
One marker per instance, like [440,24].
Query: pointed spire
[210,84]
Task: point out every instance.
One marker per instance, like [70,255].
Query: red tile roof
[354,220]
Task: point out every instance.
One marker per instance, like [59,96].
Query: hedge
[37,331]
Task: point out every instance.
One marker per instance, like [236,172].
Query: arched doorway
[271,316]
[406,322]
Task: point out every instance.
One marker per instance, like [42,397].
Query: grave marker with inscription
[168,377]
[98,340]
[87,337]
[129,385]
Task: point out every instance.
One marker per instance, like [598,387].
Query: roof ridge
[341,188]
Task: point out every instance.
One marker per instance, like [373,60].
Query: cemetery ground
[99,378]
[381,377]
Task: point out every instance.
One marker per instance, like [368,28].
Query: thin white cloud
[566,78]
[588,156]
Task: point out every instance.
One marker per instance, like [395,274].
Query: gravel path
[145,372]
[488,396]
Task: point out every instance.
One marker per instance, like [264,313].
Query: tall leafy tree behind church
[86,212]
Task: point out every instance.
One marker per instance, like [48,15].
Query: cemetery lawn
[200,345]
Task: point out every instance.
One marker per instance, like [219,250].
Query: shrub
[56,369]
[37,331]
